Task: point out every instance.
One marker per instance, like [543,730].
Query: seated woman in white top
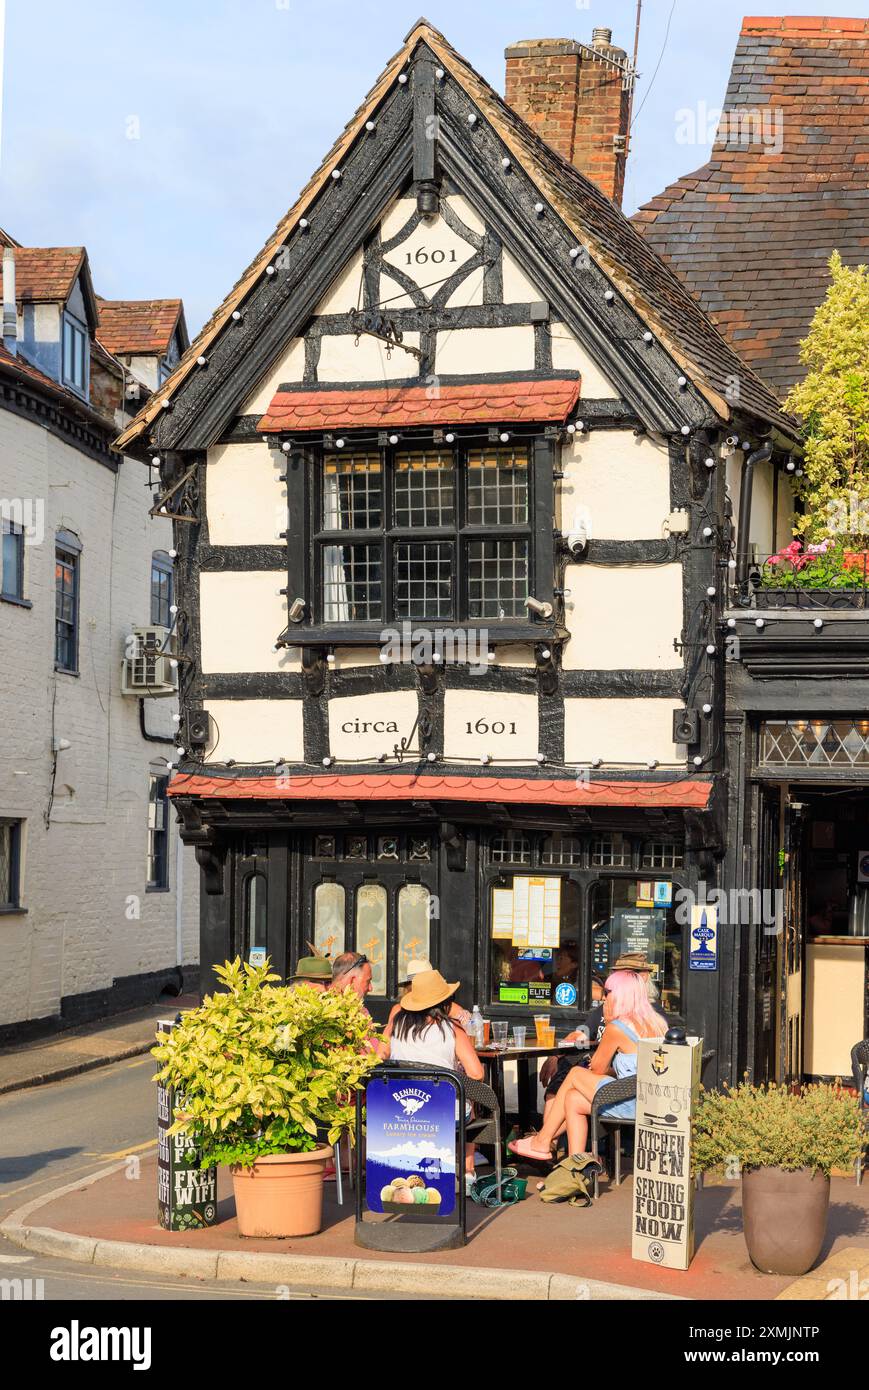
[423,1031]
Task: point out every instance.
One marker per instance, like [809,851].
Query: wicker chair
[860,1070]
[484,1129]
[625,1089]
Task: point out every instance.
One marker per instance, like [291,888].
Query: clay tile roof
[46,274]
[651,286]
[751,232]
[678,792]
[138,326]
[386,407]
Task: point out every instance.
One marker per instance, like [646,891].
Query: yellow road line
[125,1153]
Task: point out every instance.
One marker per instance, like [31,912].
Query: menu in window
[502,914]
[536,911]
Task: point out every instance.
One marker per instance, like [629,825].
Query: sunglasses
[354,965]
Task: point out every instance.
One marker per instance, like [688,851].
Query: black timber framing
[347,210]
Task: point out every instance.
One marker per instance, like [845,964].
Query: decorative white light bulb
[202,361]
[286,446]
[575,251]
[652,764]
[235,315]
[819,623]
[710,649]
[697,761]
[339,443]
[538,208]
[707,532]
[731,622]
[270,270]
[173,554]
[327,761]
[682,381]
[450,438]
[647,337]
[486,758]
[505,163]
[472,120]
[711,591]
[758,622]
[710,462]
[707,709]
[369,126]
[504,437]
[303,223]
[336,173]
[597,762]
[431,757]
[686,429]
[402,77]
[609,296]
[439,74]
[393,439]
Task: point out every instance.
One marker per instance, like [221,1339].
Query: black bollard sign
[186,1193]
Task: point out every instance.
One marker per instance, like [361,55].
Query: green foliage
[817,1127]
[833,402]
[259,1069]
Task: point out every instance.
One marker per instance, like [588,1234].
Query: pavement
[89,1046]
[528,1251]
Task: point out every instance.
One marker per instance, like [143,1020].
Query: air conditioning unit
[148,666]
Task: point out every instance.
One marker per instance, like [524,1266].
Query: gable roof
[751,232]
[634,268]
[143,327]
[46,274]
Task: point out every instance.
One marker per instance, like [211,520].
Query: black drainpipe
[152,738]
[746,486]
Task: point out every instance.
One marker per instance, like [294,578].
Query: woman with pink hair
[628,1016]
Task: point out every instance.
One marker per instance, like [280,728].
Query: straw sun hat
[415,967]
[428,987]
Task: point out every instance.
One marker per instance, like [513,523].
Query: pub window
[329,901]
[662,854]
[158,833]
[371,902]
[10,865]
[561,849]
[255,912]
[66,601]
[611,852]
[815,743]
[12,577]
[414,924]
[534,942]
[161,589]
[511,847]
[622,923]
[429,534]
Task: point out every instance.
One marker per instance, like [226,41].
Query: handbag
[570,1180]
[484,1190]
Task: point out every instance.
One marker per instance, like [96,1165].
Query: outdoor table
[523,1057]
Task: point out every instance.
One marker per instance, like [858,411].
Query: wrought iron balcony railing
[809,581]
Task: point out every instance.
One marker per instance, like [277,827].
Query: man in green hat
[313,971]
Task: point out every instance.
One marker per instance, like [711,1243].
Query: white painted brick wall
[79,874]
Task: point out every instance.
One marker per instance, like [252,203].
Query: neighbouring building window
[433,534]
[75,354]
[66,601]
[815,743]
[162,584]
[13,559]
[10,865]
[158,832]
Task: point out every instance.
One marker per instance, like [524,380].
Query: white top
[434,1046]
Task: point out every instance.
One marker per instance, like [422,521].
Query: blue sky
[169,138]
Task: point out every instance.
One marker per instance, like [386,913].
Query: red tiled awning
[391,407]
[676,794]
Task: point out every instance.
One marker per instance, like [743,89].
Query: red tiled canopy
[675,794]
[391,407]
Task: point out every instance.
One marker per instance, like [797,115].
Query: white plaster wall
[256,731]
[241,616]
[491,708]
[245,499]
[620,484]
[569,355]
[621,731]
[345,292]
[518,289]
[89,919]
[340,360]
[364,726]
[290,367]
[474,350]
[623,617]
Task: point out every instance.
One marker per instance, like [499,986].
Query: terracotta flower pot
[282,1194]
[784,1217]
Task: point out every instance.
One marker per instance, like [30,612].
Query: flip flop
[523,1149]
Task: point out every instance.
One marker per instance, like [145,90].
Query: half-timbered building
[450,469]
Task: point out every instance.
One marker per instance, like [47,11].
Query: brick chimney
[576,101]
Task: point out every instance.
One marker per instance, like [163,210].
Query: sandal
[523,1148]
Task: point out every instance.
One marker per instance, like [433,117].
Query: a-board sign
[410,1135]
[668,1080]
[186,1192]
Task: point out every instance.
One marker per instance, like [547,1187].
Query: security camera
[543,610]
[580,532]
[296,610]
